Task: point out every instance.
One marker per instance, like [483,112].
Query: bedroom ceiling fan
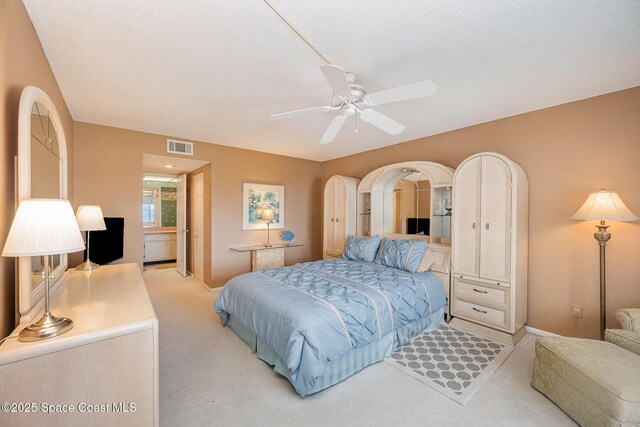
[352,100]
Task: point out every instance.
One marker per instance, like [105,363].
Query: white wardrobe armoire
[489,245]
[340,193]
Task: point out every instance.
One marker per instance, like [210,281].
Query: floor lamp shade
[90,218]
[44,227]
[603,206]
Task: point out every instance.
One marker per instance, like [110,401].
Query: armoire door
[466,211]
[340,216]
[329,205]
[495,214]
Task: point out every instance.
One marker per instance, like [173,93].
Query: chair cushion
[625,339]
[602,373]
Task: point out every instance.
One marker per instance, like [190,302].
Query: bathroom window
[150,207]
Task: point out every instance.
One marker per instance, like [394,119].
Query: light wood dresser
[105,369]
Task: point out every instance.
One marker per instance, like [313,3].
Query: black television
[107,245]
[418,225]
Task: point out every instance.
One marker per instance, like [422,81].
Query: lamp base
[88,266]
[48,326]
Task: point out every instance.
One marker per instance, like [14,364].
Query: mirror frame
[31,300]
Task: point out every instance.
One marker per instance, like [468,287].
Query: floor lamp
[89,219]
[44,227]
[603,206]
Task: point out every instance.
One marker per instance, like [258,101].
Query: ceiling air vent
[179,147]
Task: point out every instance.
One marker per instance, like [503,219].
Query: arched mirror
[412,204]
[42,173]
[407,198]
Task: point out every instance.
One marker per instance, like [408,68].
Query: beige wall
[22,63]
[567,151]
[108,171]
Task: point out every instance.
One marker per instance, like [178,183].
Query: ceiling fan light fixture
[348,110]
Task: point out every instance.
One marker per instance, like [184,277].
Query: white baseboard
[540,332]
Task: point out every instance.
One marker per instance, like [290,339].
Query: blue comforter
[315,312]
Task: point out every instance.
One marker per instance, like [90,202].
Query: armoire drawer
[480,293]
[480,313]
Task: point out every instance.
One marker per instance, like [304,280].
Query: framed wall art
[256,198]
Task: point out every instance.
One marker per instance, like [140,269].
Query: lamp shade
[267,215]
[604,206]
[43,227]
[90,218]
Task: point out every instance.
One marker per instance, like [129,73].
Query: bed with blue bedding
[319,322]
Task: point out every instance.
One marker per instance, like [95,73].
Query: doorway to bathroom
[174,211]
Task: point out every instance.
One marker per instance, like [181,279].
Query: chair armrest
[625,339]
[629,318]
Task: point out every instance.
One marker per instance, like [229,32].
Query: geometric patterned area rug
[452,361]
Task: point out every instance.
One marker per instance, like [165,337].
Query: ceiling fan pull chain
[357,122]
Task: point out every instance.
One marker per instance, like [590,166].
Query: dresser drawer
[489,316]
[160,237]
[481,293]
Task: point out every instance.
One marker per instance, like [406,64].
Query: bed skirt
[353,361]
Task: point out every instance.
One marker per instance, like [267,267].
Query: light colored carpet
[208,377]
[452,361]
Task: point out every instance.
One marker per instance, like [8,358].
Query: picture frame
[257,197]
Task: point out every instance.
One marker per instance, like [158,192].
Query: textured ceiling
[215,70]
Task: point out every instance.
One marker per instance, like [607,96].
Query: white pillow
[427,261]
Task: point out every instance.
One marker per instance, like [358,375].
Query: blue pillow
[401,254]
[361,248]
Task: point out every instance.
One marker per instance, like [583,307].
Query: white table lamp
[89,219]
[603,206]
[44,227]
[267,215]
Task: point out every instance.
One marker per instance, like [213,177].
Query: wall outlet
[576,311]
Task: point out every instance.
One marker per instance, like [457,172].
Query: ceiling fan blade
[333,129]
[337,80]
[401,93]
[297,113]
[382,122]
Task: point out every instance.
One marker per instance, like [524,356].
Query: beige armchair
[629,336]
[597,383]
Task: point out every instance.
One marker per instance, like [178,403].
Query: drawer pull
[487,225]
[479,291]
[479,311]
[473,225]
